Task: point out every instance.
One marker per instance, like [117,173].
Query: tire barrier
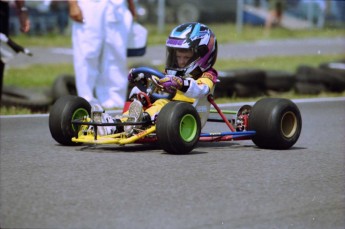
[279,81]
[306,80]
[328,77]
[26,98]
[337,67]
[63,85]
[252,82]
[225,85]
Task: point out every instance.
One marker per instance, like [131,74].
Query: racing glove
[171,83]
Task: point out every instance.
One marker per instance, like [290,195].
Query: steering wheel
[155,90]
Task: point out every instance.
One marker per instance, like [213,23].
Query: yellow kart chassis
[118,138]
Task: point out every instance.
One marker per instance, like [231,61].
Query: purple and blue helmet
[198,38]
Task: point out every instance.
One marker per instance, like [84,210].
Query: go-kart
[271,123]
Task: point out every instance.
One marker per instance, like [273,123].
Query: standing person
[24,21]
[60,9]
[99,36]
[275,14]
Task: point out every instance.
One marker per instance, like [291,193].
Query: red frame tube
[211,100]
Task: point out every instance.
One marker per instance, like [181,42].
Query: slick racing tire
[306,88]
[64,110]
[279,81]
[334,66]
[63,85]
[26,98]
[225,86]
[178,128]
[330,79]
[277,123]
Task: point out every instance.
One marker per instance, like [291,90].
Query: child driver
[191,54]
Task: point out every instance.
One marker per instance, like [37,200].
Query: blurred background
[302,56]
[52,15]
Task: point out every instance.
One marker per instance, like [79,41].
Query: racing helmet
[200,40]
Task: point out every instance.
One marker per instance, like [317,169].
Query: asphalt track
[220,185]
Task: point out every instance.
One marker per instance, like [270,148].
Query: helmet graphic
[201,43]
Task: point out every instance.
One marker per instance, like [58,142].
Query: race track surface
[219,185]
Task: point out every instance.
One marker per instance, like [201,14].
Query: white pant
[100,51]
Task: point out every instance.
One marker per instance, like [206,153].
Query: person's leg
[87,45]
[156,107]
[111,89]
[279,13]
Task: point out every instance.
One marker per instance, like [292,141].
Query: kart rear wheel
[64,110]
[178,127]
[277,123]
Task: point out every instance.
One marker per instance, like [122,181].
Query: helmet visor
[179,59]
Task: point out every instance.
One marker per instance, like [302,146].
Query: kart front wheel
[178,127]
[277,123]
[64,110]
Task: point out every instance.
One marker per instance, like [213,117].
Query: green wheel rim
[78,114]
[188,128]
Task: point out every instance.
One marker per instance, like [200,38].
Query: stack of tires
[306,80]
[327,77]
[278,81]
[31,99]
[38,101]
[253,82]
[63,85]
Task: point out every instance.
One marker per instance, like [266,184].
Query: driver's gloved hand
[171,83]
